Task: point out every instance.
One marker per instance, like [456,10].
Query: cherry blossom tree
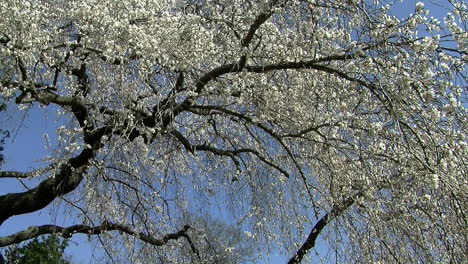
[300,122]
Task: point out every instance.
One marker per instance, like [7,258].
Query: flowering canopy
[293,119]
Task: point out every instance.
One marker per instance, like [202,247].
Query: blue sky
[23,152]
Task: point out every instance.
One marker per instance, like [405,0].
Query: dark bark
[68,176]
[336,211]
[64,181]
[106,226]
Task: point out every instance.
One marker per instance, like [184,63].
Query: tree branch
[311,64]
[223,152]
[336,211]
[23,175]
[246,40]
[64,181]
[67,178]
[68,232]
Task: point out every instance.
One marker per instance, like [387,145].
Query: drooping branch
[106,226]
[229,153]
[316,64]
[212,109]
[336,211]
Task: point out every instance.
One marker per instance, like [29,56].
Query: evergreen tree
[48,250]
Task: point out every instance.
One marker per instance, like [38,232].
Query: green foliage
[48,250]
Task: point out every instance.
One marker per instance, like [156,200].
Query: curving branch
[65,180]
[223,152]
[245,42]
[211,109]
[67,232]
[335,212]
[316,64]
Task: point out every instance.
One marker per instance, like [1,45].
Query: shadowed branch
[336,211]
[106,226]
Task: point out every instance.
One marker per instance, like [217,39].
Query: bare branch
[336,211]
[229,153]
[67,232]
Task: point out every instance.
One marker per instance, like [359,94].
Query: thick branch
[336,211]
[65,180]
[246,40]
[67,232]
